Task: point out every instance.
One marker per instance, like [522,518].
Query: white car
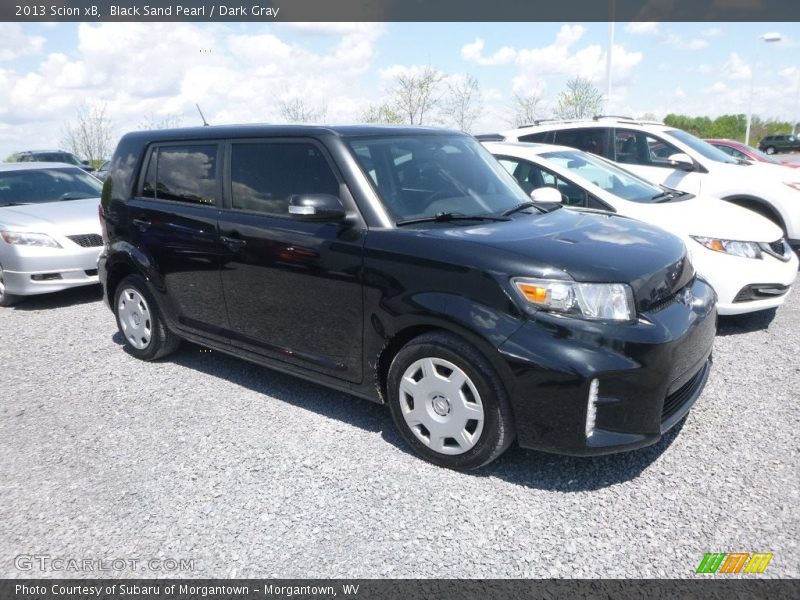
[679,160]
[740,253]
[50,235]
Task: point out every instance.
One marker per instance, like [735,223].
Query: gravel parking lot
[249,472]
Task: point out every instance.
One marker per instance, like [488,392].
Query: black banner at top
[400,10]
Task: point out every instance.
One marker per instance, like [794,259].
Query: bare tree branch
[90,135]
[580,100]
[296,111]
[153,121]
[463,104]
[415,96]
[524,109]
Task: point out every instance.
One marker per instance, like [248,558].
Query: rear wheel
[770,150]
[5,298]
[139,321]
[448,402]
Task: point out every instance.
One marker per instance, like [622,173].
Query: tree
[580,100]
[296,111]
[11,157]
[381,113]
[415,96]
[153,121]
[462,105]
[524,109]
[90,135]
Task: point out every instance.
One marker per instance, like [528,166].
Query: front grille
[87,240]
[676,400]
[662,304]
[91,272]
[777,247]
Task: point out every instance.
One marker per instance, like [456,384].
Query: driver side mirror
[681,161]
[547,194]
[316,207]
[85,163]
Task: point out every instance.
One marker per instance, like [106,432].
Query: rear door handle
[234,243]
[142,224]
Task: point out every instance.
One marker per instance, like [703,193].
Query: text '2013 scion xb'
[406,266]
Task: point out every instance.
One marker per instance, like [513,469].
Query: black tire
[160,341]
[770,150]
[6,299]
[497,427]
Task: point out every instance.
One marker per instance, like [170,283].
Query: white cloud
[14,43]
[682,43]
[138,69]
[736,69]
[680,94]
[642,27]
[559,58]
[473,52]
[712,32]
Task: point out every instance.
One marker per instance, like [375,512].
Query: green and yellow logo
[734,562]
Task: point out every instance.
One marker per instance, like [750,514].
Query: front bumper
[43,270]
[648,376]
[732,276]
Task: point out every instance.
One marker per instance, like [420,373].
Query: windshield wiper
[15,204]
[450,216]
[74,196]
[541,206]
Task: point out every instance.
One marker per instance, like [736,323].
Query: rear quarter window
[184,173]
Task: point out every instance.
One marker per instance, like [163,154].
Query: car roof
[36,166]
[529,147]
[555,124]
[723,141]
[256,130]
[44,151]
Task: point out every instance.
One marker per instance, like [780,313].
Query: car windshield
[37,186]
[606,175]
[424,176]
[703,148]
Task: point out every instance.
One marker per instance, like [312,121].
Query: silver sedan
[50,234]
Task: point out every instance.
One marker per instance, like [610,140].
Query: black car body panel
[332,301]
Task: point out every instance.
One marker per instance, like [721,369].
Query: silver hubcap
[441,406]
[134,318]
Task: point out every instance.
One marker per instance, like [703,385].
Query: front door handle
[142,224]
[234,243]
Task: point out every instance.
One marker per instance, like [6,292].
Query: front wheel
[139,321]
[448,402]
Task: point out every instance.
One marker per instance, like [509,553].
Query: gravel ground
[253,473]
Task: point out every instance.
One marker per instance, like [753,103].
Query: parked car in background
[406,266]
[773,144]
[55,156]
[741,151]
[679,160]
[740,253]
[49,229]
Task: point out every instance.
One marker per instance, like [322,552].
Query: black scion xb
[405,266]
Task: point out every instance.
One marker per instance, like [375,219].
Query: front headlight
[29,239]
[595,301]
[744,249]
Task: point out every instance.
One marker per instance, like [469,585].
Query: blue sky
[246,70]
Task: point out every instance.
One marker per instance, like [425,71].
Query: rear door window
[591,139]
[185,173]
[639,148]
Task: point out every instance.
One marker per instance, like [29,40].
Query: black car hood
[587,247]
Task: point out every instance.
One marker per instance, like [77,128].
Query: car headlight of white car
[595,301]
[19,238]
[736,248]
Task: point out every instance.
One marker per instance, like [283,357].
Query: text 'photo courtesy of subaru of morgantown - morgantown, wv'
[406,265]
